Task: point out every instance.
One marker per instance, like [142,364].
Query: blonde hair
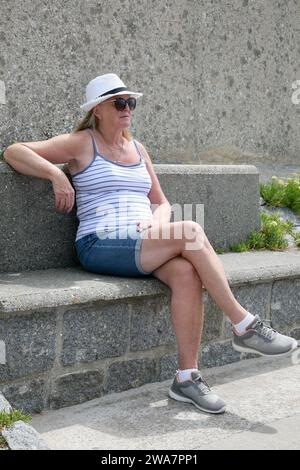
[91,121]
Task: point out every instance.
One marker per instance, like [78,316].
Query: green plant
[270,237]
[239,247]
[296,236]
[292,195]
[3,443]
[282,192]
[7,419]
[279,192]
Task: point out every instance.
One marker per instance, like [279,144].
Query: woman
[119,234]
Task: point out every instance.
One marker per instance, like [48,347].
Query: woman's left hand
[143,224]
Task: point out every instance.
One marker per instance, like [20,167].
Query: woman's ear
[96,112]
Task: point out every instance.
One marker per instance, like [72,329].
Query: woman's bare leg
[165,241]
[187,308]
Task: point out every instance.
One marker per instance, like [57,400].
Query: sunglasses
[120,103]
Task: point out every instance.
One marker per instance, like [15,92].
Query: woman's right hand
[64,192]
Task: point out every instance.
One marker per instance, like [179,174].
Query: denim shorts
[115,253]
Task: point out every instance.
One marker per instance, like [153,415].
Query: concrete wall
[216,76]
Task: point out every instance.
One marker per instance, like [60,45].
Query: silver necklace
[120,153]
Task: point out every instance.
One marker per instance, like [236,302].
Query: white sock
[242,325]
[185,374]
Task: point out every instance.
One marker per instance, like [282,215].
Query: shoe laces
[202,384]
[264,330]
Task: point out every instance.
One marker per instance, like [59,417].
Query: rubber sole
[248,350]
[188,400]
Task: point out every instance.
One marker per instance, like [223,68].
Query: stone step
[68,336]
[35,236]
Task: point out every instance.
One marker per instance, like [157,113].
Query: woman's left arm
[161,208]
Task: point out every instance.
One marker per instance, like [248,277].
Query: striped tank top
[111,195]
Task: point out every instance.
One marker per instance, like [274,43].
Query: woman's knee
[193,232]
[185,274]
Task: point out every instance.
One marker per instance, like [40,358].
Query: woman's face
[110,116]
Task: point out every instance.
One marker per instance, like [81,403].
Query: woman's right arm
[39,158]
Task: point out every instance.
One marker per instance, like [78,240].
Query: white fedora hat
[103,87]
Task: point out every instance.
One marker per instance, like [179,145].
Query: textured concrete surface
[215,75]
[39,237]
[21,436]
[263,412]
[54,287]
[4,404]
[22,291]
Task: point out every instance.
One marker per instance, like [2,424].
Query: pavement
[262,395]
[281,170]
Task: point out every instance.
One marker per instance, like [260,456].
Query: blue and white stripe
[111,195]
